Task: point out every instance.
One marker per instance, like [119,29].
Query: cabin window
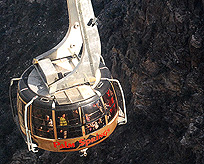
[94,116]
[42,123]
[21,110]
[110,103]
[68,124]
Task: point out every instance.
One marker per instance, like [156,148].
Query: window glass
[93,111]
[110,103]
[94,116]
[68,124]
[42,123]
[21,110]
[95,125]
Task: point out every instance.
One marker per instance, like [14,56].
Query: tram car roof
[31,85]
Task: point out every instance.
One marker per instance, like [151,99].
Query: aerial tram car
[66,99]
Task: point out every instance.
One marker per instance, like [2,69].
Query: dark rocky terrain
[155,48]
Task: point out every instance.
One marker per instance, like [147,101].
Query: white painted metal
[82,36]
[48,71]
[83,152]
[31,145]
[14,79]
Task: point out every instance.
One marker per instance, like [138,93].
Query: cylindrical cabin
[66,100]
[70,120]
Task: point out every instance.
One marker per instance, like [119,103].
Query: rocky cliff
[155,48]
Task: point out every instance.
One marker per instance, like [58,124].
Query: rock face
[155,48]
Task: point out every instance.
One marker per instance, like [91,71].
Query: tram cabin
[69,120]
[66,100]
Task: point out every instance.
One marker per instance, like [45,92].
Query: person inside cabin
[87,129]
[93,126]
[63,122]
[100,123]
[76,116]
[87,118]
[40,131]
[111,99]
[48,126]
[110,104]
[90,127]
[97,105]
[48,123]
[96,126]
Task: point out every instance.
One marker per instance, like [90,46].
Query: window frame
[68,127]
[88,123]
[34,130]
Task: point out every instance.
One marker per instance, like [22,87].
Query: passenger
[96,104]
[48,123]
[40,130]
[76,116]
[87,117]
[88,129]
[92,126]
[60,134]
[108,115]
[107,106]
[63,122]
[100,123]
[110,100]
[110,106]
[96,126]
[75,113]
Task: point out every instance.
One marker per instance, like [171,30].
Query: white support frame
[31,145]
[123,119]
[14,79]
[10,96]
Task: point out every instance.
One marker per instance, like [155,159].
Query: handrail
[12,107]
[10,95]
[31,145]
